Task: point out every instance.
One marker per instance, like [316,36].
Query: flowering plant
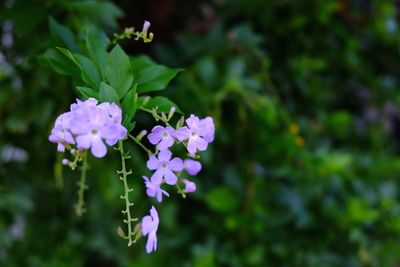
[113,87]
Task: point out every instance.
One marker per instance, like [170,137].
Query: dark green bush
[303,171]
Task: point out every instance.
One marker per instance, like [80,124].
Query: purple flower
[164,137]
[80,106]
[60,134]
[207,124]
[91,130]
[165,167]
[193,167]
[154,190]
[189,186]
[149,227]
[89,126]
[114,113]
[198,133]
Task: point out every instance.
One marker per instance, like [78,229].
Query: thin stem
[156,116]
[80,206]
[123,174]
[148,151]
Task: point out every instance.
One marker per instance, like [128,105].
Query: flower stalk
[123,176]
[80,206]
[148,151]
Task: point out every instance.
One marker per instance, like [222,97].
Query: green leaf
[89,72]
[59,63]
[118,71]
[67,53]
[108,94]
[96,43]
[129,108]
[141,62]
[151,76]
[62,35]
[129,103]
[162,104]
[222,199]
[128,124]
[88,92]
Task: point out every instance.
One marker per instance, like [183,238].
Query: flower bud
[171,112]
[189,186]
[146,26]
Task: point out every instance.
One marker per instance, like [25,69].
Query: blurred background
[304,169]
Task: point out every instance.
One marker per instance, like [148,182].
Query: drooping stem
[80,206]
[148,151]
[123,176]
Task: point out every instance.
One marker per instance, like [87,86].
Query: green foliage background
[304,170]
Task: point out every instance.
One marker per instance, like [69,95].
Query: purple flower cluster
[89,125]
[196,136]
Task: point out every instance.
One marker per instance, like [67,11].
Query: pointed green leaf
[96,43]
[141,62]
[118,71]
[129,103]
[128,106]
[150,76]
[88,92]
[128,124]
[89,73]
[59,63]
[67,53]
[108,94]
[62,35]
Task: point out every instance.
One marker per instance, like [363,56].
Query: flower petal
[157,129]
[154,138]
[151,193]
[165,155]
[201,144]
[153,163]
[192,146]
[182,133]
[60,147]
[99,149]
[170,178]
[193,122]
[151,244]
[159,195]
[154,215]
[156,178]
[193,167]
[166,143]
[207,129]
[147,225]
[176,164]
[84,141]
